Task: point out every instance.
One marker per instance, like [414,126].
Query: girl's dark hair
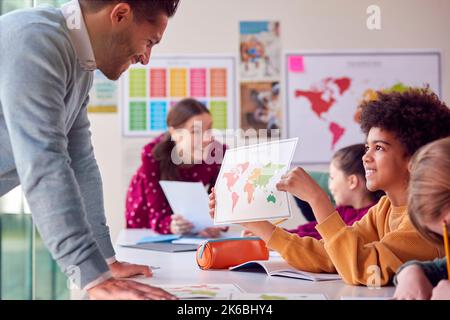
[178,115]
[349,160]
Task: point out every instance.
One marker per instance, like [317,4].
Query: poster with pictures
[103,97]
[260,106]
[260,50]
[260,75]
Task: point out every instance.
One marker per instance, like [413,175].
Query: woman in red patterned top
[186,152]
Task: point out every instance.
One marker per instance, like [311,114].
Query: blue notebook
[165,247]
[159,238]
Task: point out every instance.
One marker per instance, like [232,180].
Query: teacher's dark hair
[142,9]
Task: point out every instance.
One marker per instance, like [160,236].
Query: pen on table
[446,245]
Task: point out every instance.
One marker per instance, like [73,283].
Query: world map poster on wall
[148,92]
[323,91]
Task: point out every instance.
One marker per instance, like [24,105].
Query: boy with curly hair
[370,251]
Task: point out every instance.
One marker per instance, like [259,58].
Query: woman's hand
[262,229]
[180,225]
[413,284]
[302,185]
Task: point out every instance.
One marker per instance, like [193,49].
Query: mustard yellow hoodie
[384,237]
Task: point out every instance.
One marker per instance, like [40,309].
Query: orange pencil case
[225,253]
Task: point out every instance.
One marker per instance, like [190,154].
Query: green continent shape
[266,174]
[271,198]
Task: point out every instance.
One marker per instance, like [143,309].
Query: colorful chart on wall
[324,90]
[245,187]
[148,92]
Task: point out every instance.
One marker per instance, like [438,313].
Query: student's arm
[88,177]
[361,260]
[33,88]
[312,255]
[146,204]
[435,270]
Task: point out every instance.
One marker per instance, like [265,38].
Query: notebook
[164,246]
[159,238]
[282,269]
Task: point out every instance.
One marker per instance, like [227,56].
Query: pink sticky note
[296,64]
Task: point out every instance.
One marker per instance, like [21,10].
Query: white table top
[181,268]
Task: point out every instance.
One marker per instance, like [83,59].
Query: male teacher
[47,59]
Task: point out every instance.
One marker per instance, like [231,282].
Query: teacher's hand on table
[127,270]
[115,289]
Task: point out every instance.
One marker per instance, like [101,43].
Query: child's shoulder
[148,148]
[383,204]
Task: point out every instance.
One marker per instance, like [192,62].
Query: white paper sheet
[190,200]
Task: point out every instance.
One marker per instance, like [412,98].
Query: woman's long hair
[177,117]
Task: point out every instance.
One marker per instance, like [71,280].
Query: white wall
[212,26]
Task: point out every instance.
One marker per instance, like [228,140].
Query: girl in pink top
[186,152]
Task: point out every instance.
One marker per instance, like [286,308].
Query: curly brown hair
[416,117]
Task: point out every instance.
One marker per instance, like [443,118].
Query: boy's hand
[212,203]
[413,284]
[247,233]
[299,183]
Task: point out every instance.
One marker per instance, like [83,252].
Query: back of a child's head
[349,161]
[429,186]
[415,116]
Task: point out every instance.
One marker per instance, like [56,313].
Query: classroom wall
[212,26]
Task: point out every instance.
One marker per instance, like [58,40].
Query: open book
[282,269]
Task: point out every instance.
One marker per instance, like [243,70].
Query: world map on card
[257,178]
[246,186]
